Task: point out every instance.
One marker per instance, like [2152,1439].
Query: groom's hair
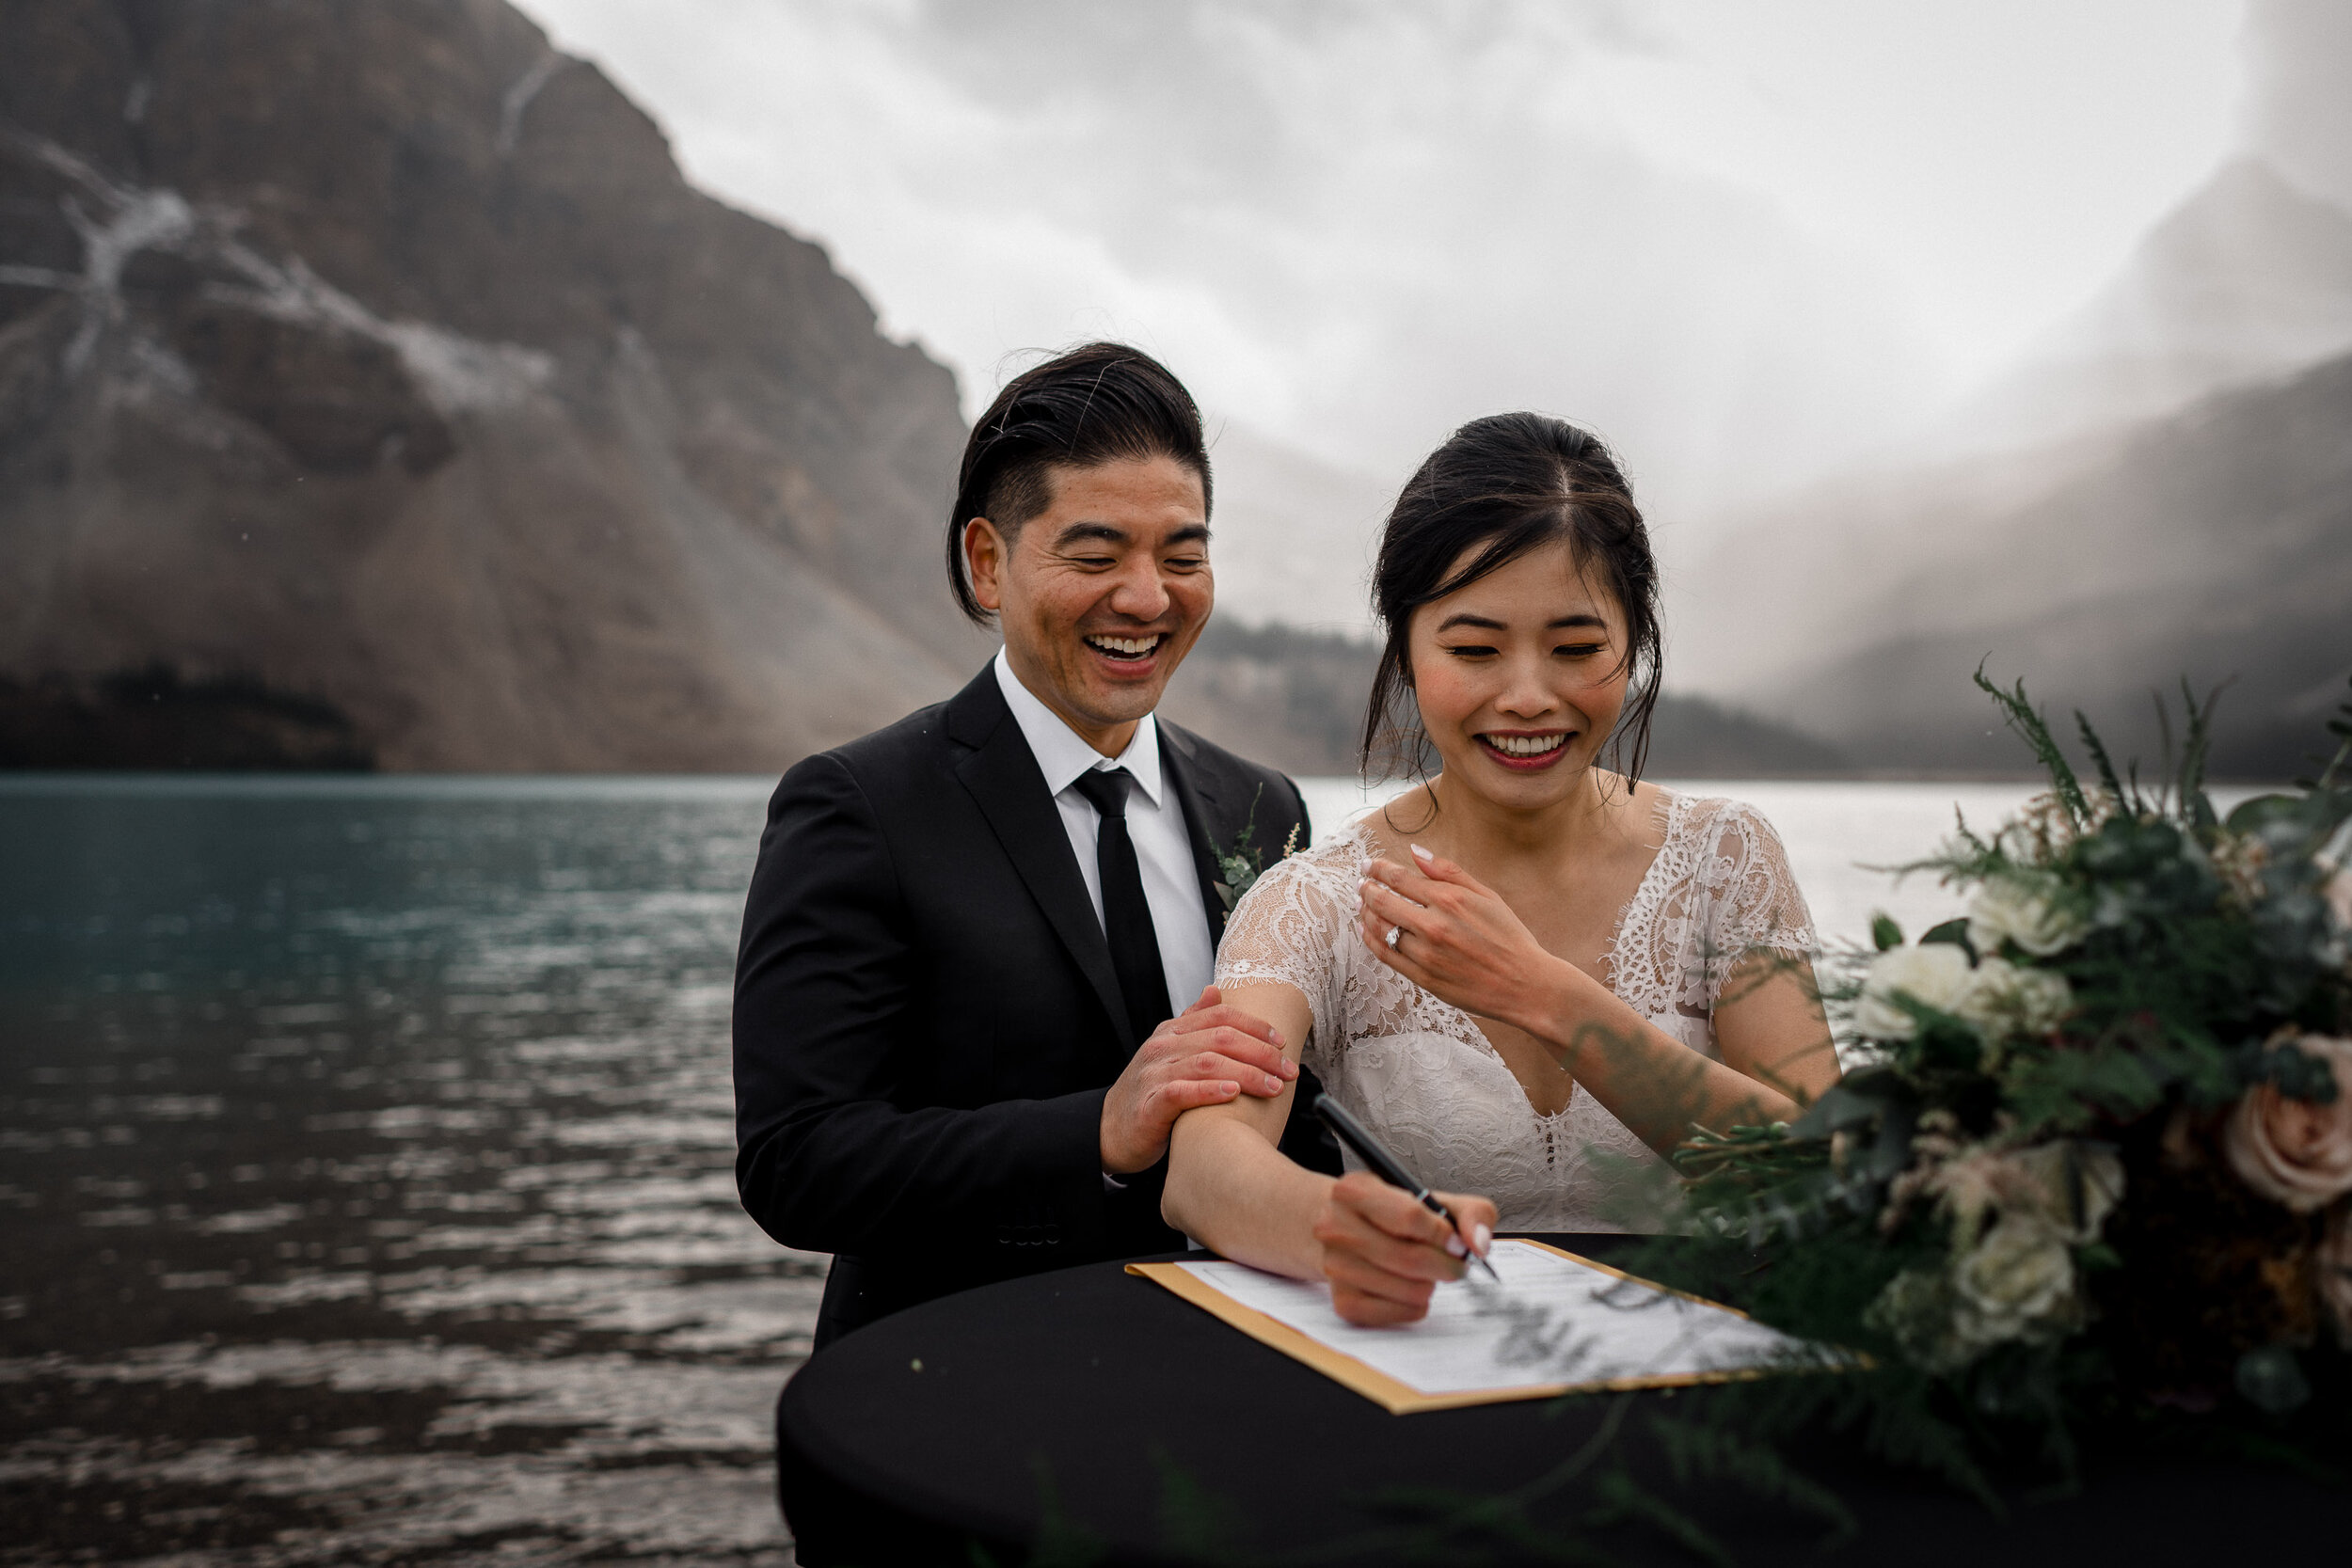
[1097,404]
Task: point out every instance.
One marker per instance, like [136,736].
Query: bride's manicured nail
[1453,1244]
[1421,854]
[1482,1239]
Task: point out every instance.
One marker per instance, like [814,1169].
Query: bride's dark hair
[1511,482]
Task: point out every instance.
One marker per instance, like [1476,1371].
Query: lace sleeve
[1752,903]
[1288,927]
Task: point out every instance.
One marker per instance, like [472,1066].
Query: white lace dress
[1421,1074]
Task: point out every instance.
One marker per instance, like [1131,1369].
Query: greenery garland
[2090,1178]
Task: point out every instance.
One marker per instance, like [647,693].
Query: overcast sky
[1748,239]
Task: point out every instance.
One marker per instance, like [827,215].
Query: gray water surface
[365,1153]
[365,1158]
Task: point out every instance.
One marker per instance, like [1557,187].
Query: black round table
[1092,1416]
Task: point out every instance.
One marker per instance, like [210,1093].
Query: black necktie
[1126,915]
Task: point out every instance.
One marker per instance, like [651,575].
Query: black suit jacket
[926,1017]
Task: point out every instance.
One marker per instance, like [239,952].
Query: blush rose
[2294,1152]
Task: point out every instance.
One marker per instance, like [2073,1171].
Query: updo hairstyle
[1506,484]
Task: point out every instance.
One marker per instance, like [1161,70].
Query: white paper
[1552,1320]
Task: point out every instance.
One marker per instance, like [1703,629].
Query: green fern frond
[2097,751]
[2020,714]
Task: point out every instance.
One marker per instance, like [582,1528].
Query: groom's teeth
[1525,745]
[1133,647]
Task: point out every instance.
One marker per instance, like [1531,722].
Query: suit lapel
[1005,781]
[1198,793]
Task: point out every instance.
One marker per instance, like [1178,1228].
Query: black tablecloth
[1089,1410]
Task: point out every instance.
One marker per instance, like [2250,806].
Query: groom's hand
[1206,1055]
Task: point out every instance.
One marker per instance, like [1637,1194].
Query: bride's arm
[1231,1190]
[1229,1187]
[1464,943]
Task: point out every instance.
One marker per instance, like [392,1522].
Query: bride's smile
[1520,676]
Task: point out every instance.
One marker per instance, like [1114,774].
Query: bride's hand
[1384,1254]
[1455,935]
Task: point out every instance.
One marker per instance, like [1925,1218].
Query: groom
[968,1003]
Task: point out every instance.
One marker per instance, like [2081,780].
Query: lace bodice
[1423,1075]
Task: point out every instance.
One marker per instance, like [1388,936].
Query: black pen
[1389,1168]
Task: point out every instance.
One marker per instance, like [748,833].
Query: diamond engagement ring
[1396,934]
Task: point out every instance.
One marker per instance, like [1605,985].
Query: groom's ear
[987,555]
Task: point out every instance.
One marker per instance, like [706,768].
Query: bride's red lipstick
[1535,763]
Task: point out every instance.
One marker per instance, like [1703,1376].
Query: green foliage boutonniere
[1239,867]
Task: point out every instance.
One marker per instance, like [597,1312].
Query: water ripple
[368,1159]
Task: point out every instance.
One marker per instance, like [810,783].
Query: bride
[1529,976]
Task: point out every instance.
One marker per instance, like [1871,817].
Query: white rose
[2021,1273]
[1933,975]
[2002,998]
[2021,909]
[2054,1176]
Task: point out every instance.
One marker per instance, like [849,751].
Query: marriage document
[1557,1324]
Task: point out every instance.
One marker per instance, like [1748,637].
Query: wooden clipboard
[1402,1399]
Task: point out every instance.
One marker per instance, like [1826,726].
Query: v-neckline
[1669,809]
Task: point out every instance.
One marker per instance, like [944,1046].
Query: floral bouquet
[2094,1164]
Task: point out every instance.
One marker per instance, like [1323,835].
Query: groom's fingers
[1254,1077]
[1229,1043]
[1175,1096]
[1203,1017]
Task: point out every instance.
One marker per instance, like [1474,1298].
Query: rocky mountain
[370,373]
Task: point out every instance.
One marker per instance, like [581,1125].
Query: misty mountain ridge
[2229,528]
[380,356]
[2248,277]
[2213,545]
[2162,492]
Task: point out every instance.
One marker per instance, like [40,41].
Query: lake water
[365,1159]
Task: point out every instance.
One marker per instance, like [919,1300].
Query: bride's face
[1520,676]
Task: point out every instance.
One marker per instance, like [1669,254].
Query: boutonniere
[1239,867]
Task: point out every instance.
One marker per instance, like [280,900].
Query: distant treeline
[153,717]
[1296,698]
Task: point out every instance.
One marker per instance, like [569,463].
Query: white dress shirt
[1155,821]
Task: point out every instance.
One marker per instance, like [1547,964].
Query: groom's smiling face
[1102,595]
